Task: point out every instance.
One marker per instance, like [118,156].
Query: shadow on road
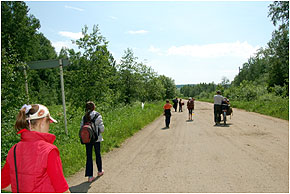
[164,128]
[222,125]
[82,188]
[189,120]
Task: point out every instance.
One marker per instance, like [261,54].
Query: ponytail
[21,122]
[90,106]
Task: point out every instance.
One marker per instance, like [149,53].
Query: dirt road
[249,155]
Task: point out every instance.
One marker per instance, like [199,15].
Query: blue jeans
[89,152]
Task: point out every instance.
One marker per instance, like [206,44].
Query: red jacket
[31,156]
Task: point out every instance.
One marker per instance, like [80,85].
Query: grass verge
[268,105]
[120,124]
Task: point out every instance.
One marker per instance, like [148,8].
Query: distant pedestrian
[91,114]
[175,102]
[218,99]
[33,165]
[190,107]
[167,113]
[180,105]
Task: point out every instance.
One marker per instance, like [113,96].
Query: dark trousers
[175,107]
[180,108]
[167,120]
[217,113]
[89,164]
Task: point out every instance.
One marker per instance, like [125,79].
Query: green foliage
[120,123]
[92,76]
[18,28]
[256,98]
[279,11]
[267,104]
[42,48]
[198,90]
[12,95]
[22,43]
[271,64]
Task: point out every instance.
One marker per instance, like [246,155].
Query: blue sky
[190,41]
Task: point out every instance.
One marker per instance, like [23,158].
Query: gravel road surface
[251,154]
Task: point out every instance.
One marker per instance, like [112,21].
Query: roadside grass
[120,124]
[267,104]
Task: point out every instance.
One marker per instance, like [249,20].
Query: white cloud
[235,49]
[138,32]
[59,44]
[71,35]
[74,8]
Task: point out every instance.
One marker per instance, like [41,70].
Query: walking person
[218,99]
[33,165]
[167,113]
[180,105]
[90,115]
[190,107]
[175,102]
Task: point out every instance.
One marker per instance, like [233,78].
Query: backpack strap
[16,168]
[93,121]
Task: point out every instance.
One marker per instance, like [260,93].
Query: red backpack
[89,132]
[190,104]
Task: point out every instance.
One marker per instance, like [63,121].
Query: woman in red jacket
[33,165]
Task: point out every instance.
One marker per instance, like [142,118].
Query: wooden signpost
[45,64]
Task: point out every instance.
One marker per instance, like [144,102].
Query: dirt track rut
[251,154]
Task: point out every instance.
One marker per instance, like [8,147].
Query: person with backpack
[167,113]
[190,107]
[91,131]
[33,165]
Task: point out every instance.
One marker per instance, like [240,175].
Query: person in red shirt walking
[33,165]
[167,113]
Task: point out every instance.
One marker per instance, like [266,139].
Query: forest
[118,89]
[262,84]
[93,73]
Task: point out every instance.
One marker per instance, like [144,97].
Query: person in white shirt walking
[218,98]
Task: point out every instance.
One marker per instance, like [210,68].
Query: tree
[279,12]
[92,76]
[225,81]
[279,44]
[128,76]
[42,48]
[169,86]
[19,28]
[271,64]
